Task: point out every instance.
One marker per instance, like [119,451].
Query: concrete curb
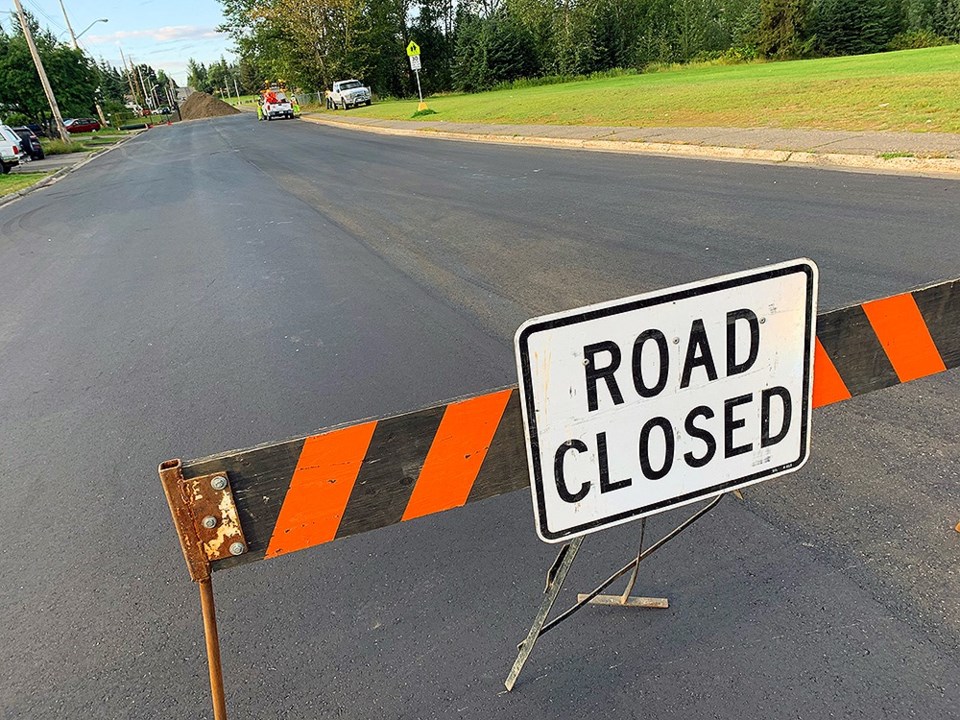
[62,172]
[928,167]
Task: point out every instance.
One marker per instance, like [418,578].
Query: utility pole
[146,97]
[73,35]
[173,95]
[76,46]
[96,104]
[133,93]
[54,108]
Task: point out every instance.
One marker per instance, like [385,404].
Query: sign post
[413,52]
[637,406]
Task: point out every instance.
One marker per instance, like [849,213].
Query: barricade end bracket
[205,516]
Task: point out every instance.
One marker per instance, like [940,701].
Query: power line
[49,19]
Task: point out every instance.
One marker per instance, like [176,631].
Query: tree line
[474,45]
[225,78]
[79,82]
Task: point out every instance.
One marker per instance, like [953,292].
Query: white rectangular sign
[414,62]
[639,405]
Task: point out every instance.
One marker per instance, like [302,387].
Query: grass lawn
[18,181]
[914,90]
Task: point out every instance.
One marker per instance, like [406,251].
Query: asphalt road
[222,283]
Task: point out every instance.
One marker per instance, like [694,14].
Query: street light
[80,34]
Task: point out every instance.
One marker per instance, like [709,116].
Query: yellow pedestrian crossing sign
[413,50]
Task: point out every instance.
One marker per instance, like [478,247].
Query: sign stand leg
[625,600]
[213,649]
[555,577]
[636,568]
[558,574]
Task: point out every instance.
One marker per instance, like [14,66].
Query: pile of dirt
[201,105]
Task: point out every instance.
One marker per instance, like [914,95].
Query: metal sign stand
[558,573]
[422,106]
[413,52]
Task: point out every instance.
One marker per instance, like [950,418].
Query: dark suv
[31,143]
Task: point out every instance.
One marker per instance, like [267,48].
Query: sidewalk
[900,152]
[51,163]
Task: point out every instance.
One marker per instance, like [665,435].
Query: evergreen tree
[197,76]
[946,19]
[782,32]
[492,50]
[855,27]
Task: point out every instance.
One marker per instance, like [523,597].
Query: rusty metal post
[213,649]
[202,541]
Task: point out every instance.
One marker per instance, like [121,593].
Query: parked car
[9,149]
[80,125]
[31,143]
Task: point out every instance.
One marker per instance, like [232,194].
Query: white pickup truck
[347,94]
[276,105]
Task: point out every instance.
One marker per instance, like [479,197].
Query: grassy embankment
[913,90]
[19,181]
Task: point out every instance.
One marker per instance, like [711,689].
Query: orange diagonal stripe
[828,386]
[904,336]
[320,488]
[457,452]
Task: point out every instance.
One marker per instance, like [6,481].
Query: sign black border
[637,304]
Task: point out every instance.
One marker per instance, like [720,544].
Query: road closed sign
[636,406]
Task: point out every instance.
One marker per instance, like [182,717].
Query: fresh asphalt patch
[222,283]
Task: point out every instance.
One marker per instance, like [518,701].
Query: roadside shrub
[730,56]
[59,147]
[740,54]
[529,82]
[707,56]
[14,119]
[917,39]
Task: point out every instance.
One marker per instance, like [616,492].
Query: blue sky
[160,33]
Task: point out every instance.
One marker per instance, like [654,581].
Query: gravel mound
[202,105]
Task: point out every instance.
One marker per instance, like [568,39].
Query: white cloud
[161,34]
